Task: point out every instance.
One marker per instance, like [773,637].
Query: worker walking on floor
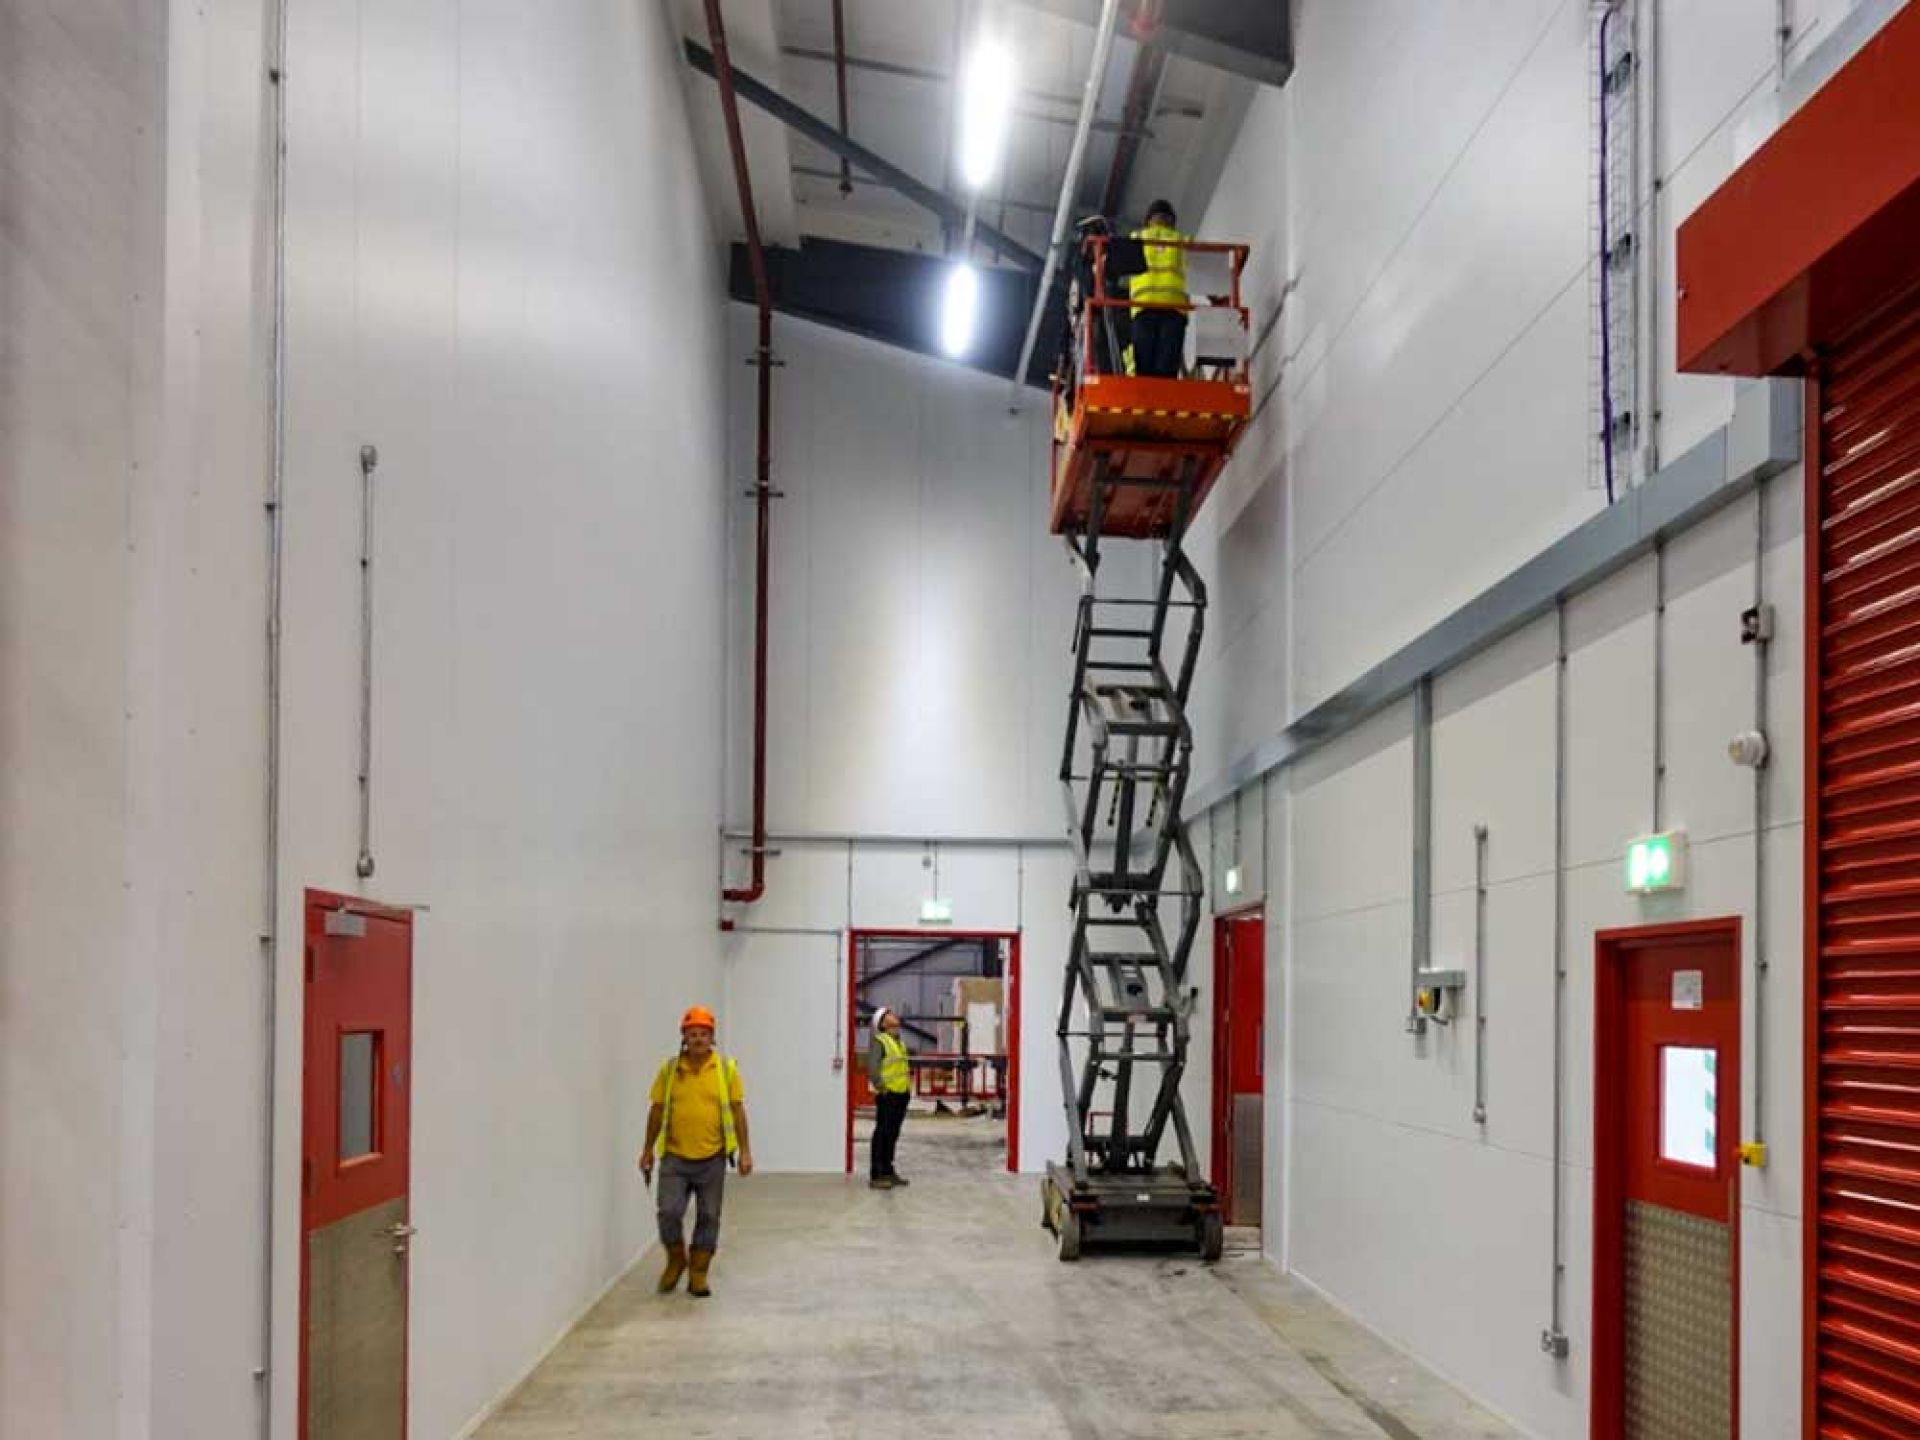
[1159,335]
[696,1127]
[891,1073]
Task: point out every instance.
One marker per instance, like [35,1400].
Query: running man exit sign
[1657,862]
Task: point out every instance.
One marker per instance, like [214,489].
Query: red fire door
[1666,1178]
[1239,1081]
[355,1228]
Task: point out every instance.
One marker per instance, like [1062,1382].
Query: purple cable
[1606,298]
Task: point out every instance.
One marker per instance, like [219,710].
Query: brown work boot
[880,1182]
[676,1267]
[697,1275]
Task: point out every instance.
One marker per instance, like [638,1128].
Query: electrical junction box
[1437,995]
[1656,863]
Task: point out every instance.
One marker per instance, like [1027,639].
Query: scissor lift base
[1160,1208]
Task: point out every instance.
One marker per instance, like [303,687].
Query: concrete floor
[939,1312]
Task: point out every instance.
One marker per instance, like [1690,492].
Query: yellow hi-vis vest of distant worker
[896,1075]
[726,1078]
[1164,281]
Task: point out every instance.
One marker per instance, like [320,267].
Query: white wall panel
[1420,193]
[1421,546]
[1770,1346]
[1709,583]
[1493,761]
[784,1011]
[920,611]
[890,883]
[1496,245]
[1482,1269]
[493,219]
[1354,798]
[1609,780]
[807,887]
[79,250]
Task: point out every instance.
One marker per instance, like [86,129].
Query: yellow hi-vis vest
[1164,281]
[726,1075]
[896,1075]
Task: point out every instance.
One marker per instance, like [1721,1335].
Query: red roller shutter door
[1863,1013]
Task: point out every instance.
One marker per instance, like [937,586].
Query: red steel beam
[762,485]
[840,81]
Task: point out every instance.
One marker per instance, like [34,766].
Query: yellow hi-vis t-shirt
[695,1130]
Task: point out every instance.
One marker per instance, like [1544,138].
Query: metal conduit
[1076,158]
[270,850]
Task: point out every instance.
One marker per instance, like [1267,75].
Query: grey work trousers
[701,1181]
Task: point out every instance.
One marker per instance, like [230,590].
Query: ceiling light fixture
[986,104]
[958,310]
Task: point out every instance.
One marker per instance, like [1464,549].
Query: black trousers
[1159,342]
[889,1113]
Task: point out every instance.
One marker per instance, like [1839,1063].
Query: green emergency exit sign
[1657,862]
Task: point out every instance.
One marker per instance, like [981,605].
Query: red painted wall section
[1817,227]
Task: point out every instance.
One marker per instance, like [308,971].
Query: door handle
[400,1233]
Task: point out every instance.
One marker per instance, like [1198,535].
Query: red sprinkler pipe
[762,486]
[1148,65]
[840,79]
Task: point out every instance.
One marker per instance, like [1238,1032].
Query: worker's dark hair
[1162,207]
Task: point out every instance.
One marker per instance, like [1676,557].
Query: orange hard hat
[699,1015]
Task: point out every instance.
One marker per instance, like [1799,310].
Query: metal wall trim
[1761,440]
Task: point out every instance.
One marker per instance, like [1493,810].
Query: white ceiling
[908,119]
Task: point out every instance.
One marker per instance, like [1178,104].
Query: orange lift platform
[1149,438]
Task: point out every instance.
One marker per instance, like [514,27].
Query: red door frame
[314,1211]
[1223,1091]
[1012,939]
[1610,1131]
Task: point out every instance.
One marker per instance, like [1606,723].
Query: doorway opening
[957,996]
[1666,1255]
[355,1160]
[1239,1067]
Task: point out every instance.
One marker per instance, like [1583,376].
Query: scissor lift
[1133,459]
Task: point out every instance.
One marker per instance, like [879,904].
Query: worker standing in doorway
[891,1072]
[1159,335]
[696,1127]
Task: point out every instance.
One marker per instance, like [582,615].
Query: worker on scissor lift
[1159,335]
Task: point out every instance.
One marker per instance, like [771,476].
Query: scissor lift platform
[1143,433]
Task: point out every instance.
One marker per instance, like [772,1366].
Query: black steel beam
[911,961]
[817,172]
[1253,38]
[894,296]
[1179,109]
[950,211]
